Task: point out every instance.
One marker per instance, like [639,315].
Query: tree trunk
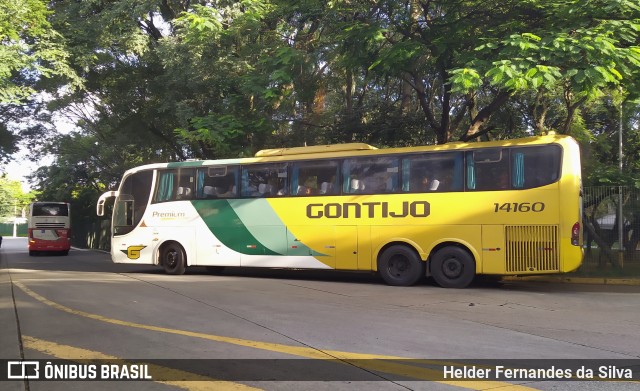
[484,115]
[348,93]
[602,244]
[405,102]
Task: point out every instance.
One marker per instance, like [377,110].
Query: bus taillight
[575,234]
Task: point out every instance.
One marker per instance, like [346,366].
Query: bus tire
[453,267]
[400,265]
[173,258]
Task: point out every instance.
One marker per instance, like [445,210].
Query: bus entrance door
[346,247]
[317,241]
[493,249]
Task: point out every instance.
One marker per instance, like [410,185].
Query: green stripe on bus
[225,224]
[192,163]
[263,223]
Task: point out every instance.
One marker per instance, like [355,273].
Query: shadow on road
[15,256]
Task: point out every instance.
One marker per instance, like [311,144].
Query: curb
[579,280]
[90,249]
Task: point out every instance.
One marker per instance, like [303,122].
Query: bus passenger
[231,191]
[502,179]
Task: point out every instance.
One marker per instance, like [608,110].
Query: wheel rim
[398,266]
[452,268]
[171,258]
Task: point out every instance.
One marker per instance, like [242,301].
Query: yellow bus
[449,211]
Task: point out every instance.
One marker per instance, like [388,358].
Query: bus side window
[488,170]
[535,166]
[315,178]
[201,185]
[217,182]
[433,172]
[125,204]
[371,175]
[186,182]
[166,187]
[264,180]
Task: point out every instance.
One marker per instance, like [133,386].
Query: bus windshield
[50,209]
[49,227]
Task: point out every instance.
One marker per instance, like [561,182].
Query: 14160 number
[519,207]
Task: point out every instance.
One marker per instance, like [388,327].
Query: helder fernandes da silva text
[502,372]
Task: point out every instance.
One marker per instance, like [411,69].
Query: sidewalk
[9,337]
[578,280]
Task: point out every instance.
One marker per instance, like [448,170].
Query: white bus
[49,227]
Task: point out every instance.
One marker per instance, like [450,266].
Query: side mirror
[101,201]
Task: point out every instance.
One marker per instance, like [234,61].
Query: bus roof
[353,149]
[315,149]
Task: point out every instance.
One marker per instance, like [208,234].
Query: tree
[567,54]
[171,80]
[12,198]
[466,60]
[218,57]
[30,51]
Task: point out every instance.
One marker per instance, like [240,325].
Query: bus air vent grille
[49,225]
[532,248]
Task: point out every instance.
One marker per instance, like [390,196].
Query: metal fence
[612,226]
[92,234]
[7,229]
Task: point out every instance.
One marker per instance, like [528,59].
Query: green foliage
[30,49]
[216,47]
[465,80]
[12,198]
[601,157]
[171,80]
[585,48]
[224,134]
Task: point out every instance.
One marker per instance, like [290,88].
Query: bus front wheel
[173,258]
[400,265]
[453,267]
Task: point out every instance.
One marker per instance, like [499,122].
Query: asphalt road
[276,329]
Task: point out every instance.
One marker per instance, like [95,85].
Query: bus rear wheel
[400,266]
[453,267]
[173,258]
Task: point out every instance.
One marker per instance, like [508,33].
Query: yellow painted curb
[578,280]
